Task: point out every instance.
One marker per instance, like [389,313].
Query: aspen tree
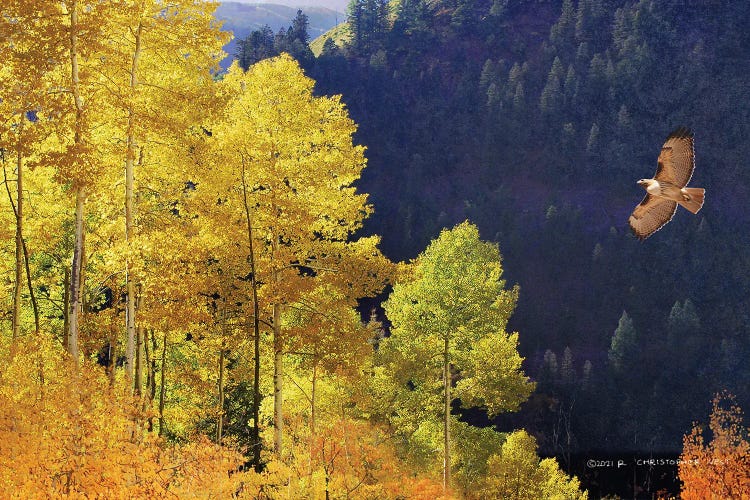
[449,316]
[282,172]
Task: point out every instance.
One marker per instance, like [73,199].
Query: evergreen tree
[624,344]
[563,31]
[255,47]
[368,23]
[552,95]
[567,371]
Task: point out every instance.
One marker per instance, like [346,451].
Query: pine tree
[551,100]
[562,33]
[622,350]
[256,46]
[567,370]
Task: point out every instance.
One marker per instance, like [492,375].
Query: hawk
[674,168]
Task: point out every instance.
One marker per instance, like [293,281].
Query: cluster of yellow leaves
[721,467]
[517,473]
[345,458]
[78,436]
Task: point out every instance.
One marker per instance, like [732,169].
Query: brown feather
[651,215]
[677,158]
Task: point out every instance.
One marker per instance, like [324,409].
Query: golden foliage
[70,433]
[719,468]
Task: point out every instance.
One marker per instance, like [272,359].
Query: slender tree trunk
[313,393]
[152,374]
[66,301]
[22,252]
[278,379]
[16,328]
[138,378]
[162,389]
[129,183]
[256,325]
[446,418]
[112,359]
[75,277]
[76,282]
[34,305]
[220,417]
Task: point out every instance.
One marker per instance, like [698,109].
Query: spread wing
[650,215]
[677,158]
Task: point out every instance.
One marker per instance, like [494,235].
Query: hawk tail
[693,200]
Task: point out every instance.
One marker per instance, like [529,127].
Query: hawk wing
[677,158]
[650,215]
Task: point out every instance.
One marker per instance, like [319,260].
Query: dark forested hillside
[534,119]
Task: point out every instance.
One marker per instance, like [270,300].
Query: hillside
[338,5]
[534,119]
[242,18]
[339,34]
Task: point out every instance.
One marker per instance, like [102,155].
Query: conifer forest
[393,262]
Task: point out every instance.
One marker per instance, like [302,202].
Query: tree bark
[21,252]
[76,281]
[255,433]
[162,389]
[138,378]
[16,328]
[220,417]
[75,277]
[150,354]
[313,393]
[34,305]
[446,418]
[129,183]
[278,379]
[66,301]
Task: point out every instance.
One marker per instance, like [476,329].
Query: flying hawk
[675,167]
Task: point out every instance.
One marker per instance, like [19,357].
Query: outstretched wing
[677,158]
[650,215]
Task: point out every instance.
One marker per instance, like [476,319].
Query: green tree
[623,345]
[562,33]
[449,317]
[517,473]
[368,23]
[552,95]
[256,46]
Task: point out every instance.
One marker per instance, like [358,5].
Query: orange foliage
[719,469]
[67,432]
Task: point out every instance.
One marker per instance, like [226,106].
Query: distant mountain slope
[339,5]
[243,18]
[339,33]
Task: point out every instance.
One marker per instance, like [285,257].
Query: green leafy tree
[517,473]
[449,321]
